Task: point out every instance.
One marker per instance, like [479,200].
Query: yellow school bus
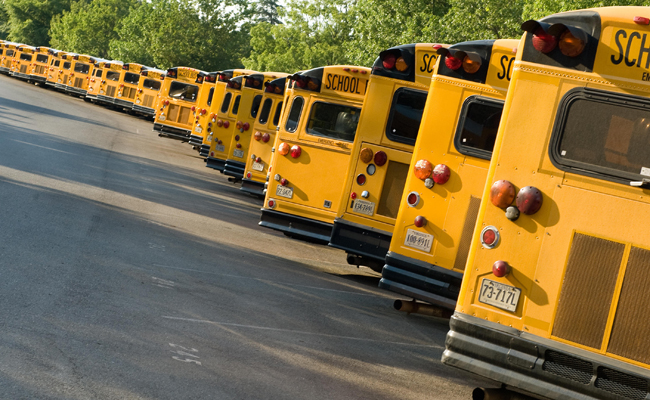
[209,125]
[202,117]
[261,144]
[40,65]
[96,82]
[178,97]
[65,71]
[224,126]
[106,93]
[553,301]
[251,100]
[127,86]
[388,127]
[23,57]
[146,98]
[80,74]
[314,142]
[448,170]
[55,72]
[7,58]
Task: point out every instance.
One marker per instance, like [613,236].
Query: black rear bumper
[542,367]
[295,226]
[420,280]
[215,163]
[252,187]
[205,150]
[172,132]
[360,240]
[234,168]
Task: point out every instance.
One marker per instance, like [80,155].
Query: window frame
[458,145]
[302,108]
[311,112]
[261,113]
[396,138]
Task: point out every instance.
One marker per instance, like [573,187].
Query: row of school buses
[506,179]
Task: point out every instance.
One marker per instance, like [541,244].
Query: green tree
[381,24]
[484,19]
[267,11]
[167,33]
[88,28]
[29,20]
[4,22]
[313,35]
[536,9]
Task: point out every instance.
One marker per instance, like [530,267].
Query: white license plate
[220,148]
[418,240]
[284,191]
[258,166]
[363,207]
[162,118]
[499,295]
[136,102]
[238,153]
[198,129]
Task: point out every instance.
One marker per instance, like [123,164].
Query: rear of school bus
[224,126]
[202,118]
[447,174]
[312,155]
[55,72]
[178,97]
[209,125]
[251,101]
[65,69]
[40,65]
[554,298]
[388,127]
[24,57]
[96,83]
[146,98]
[108,86]
[7,59]
[79,79]
[261,143]
[128,85]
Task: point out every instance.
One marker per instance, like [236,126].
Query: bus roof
[341,80]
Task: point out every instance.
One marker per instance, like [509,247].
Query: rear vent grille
[466,237]
[78,82]
[621,384]
[568,367]
[148,100]
[110,91]
[391,193]
[23,69]
[40,69]
[589,281]
[129,92]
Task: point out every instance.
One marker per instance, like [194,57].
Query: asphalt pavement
[129,270]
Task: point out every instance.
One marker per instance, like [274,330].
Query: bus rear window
[210,94]
[226,102]
[294,114]
[405,115]
[183,91]
[10,53]
[81,68]
[478,126]
[112,76]
[41,58]
[257,100]
[56,62]
[151,84]
[130,77]
[235,105]
[26,57]
[601,134]
[333,121]
[266,110]
[278,112]
[66,65]
[98,72]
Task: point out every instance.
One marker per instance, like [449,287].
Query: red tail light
[422,169]
[529,200]
[452,62]
[642,20]
[266,137]
[389,61]
[353,195]
[420,221]
[226,124]
[249,175]
[441,174]
[413,199]
[380,158]
[284,182]
[271,203]
[193,108]
[246,125]
[296,151]
[500,269]
[238,145]
[489,237]
[544,42]
[284,149]
[361,179]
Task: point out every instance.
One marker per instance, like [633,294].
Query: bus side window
[266,110]
[235,105]
[226,102]
[210,96]
[478,126]
[278,112]
[256,105]
[294,114]
[334,121]
[405,115]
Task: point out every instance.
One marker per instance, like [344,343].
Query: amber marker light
[423,169]
[471,66]
[284,149]
[570,45]
[502,193]
[366,155]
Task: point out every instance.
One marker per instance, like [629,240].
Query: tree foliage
[485,19]
[313,34]
[168,33]
[29,20]
[88,28]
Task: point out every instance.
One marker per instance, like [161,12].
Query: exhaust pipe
[498,394]
[422,308]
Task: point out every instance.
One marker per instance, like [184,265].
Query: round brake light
[361,179]
[500,269]
[389,61]
[529,200]
[295,151]
[266,137]
[271,203]
[570,45]
[420,221]
[412,199]
[380,158]
[257,136]
[490,237]
[452,62]
[441,174]
[544,42]
[502,193]
[422,169]
[283,149]
[366,155]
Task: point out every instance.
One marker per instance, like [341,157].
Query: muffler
[422,308]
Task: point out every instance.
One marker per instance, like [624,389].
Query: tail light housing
[296,151]
[543,41]
[380,158]
[452,62]
[361,179]
[420,221]
[257,136]
[422,169]
[266,137]
[366,155]
[500,269]
[284,182]
[441,174]
[502,193]
[570,44]
[388,61]
[471,63]
[413,199]
[529,200]
[490,237]
[284,149]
